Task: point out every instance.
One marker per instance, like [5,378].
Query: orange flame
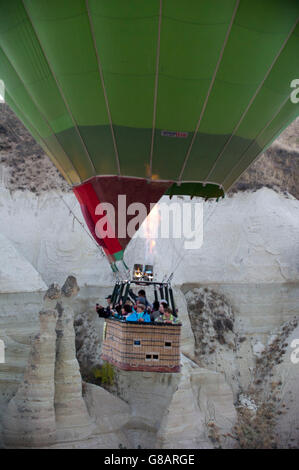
[152,223]
[152,245]
[151,228]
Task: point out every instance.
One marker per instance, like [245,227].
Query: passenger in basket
[163,306]
[155,313]
[140,315]
[140,298]
[105,312]
[167,317]
[125,311]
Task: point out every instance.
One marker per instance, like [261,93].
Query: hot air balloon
[149,97]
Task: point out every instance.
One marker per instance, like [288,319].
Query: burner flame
[151,227]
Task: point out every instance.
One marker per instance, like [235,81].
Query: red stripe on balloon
[89,201]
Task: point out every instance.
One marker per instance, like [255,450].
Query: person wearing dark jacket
[141,297]
[102,311]
[155,313]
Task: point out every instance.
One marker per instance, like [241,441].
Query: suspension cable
[182,255]
[82,225]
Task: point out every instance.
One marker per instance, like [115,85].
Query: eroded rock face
[274,386]
[111,415]
[48,405]
[257,367]
[28,166]
[148,395]
[70,288]
[200,412]
[212,320]
[277,168]
[72,419]
[16,273]
[89,334]
[30,417]
[213,324]
[287,372]
[53,293]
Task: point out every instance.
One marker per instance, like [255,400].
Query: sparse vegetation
[260,409]
[105,373]
[214,434]
[256,430]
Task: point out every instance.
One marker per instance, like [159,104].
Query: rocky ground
[267,400]
[23,164]
[277,168]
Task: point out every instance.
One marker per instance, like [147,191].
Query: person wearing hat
[102,311]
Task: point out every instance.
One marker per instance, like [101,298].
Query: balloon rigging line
[100,70]
[182,255]
[35,102]
[252,99]
[250,145]
[81,223]
[156,88]
[209,90]
[60,89]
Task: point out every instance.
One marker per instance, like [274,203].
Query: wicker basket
[147,346]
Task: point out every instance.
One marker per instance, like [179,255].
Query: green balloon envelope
[185,95]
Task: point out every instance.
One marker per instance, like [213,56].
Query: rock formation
[200,413]
[48,405]
[72,419]
[16,273]
[30,417]
[193,409]
[89,334]
[286,371]
[111,416]
[213,324]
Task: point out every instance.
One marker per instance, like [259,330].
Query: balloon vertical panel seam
[210,88]
[50,153]
[257,156]
[103,86]
[156,89]
[253,97]
[40,111]
[60,90]
[255,141]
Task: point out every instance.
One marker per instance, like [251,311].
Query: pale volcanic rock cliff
[16,273]
[72,419]
[30,417]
